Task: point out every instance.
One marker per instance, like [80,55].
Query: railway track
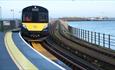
[49,46]
[104,59]
[40,48]
[80,58]
[65,55]
[101,60]
[60,53]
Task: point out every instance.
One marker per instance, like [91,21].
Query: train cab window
[43,17]
[35,17]
[27,17]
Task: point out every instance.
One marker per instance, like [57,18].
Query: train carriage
[34,22]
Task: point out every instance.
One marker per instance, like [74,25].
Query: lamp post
[12,10]
[0,13]
[19,14]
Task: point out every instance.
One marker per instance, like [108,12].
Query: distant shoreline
[87,19]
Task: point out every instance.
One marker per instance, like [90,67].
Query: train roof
[29,8]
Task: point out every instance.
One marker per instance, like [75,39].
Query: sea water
[107,27]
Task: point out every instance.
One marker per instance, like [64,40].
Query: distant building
[9,24]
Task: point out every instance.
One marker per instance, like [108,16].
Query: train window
[35,17]
[27,17]
[43,17]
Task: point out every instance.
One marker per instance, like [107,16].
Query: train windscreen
[36,17]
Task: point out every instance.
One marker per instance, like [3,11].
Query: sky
[60,8]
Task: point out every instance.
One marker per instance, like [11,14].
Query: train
[35,21]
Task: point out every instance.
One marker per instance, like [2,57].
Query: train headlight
[45,26]
[25,26]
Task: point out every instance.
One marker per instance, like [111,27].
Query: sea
[103,27]
[107,27]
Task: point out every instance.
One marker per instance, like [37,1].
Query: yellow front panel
[35,26]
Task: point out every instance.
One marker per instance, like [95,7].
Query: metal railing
[100,39]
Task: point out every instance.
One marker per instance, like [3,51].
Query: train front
[34,22]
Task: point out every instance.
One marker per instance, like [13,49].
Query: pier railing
[100,39]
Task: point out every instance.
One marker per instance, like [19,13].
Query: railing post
[103,40]
[88,36]
[85,35]
[95,37]
[81,33]
[91,37]
[99,39]
[76,32]
[109,41]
